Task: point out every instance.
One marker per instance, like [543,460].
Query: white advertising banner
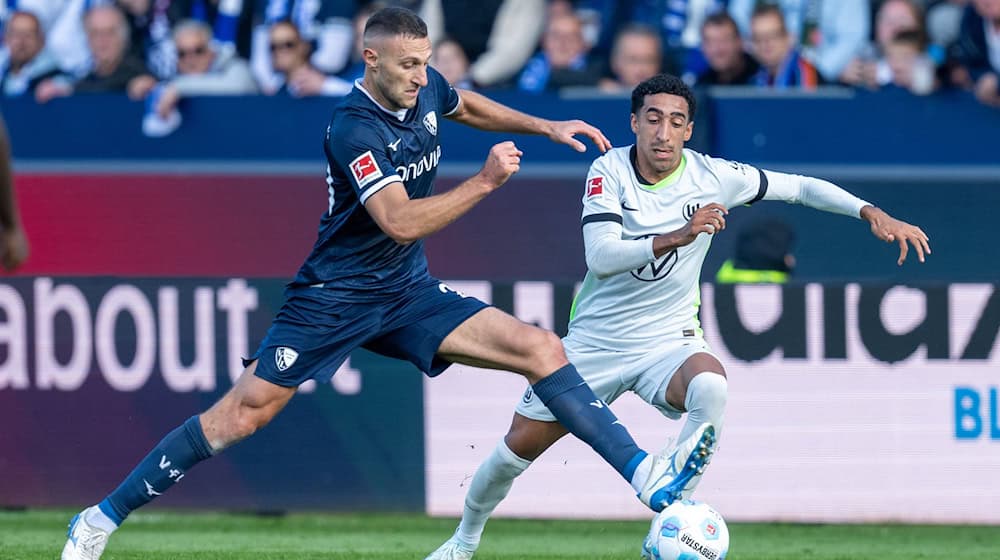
[847,403]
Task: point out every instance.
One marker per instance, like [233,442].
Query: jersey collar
[665,182]
[400,114]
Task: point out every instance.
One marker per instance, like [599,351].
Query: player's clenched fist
[504,160]
[709,219]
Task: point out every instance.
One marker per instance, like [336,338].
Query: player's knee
[544,348]
[708,391]
[248,420]
[520,444]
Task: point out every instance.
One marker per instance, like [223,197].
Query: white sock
[705,402]
[489,486]
[641,473]
[94,516]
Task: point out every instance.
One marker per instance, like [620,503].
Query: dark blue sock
[576,407]
[166,464]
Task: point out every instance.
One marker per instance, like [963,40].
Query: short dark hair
[767,9]
[720,18]
[395,21]
[663,83]
[911,37]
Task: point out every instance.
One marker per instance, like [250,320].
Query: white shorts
[610,373]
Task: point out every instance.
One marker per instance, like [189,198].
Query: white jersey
[643,307]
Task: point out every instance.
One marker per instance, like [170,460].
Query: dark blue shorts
[315,331]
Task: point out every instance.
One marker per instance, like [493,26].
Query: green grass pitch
[155,535]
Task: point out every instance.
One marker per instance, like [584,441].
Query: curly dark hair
[663,83]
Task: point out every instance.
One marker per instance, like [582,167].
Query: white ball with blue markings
[687,530]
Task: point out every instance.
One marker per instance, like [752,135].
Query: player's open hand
[891,230]
[504,160]
[563,132]
[709,219]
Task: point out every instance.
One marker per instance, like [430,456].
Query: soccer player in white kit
[649,213]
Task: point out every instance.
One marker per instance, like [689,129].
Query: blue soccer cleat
[676,471]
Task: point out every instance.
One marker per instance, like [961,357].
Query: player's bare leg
[699,387]
[526,440]
[249,405]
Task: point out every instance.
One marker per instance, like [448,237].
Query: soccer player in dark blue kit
[366,283]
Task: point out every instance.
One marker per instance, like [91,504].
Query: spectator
[728,62]
[27,62]
[870,68]
[325,27]
[202,69]
[829,37]
[498,36]
[152,23]
[295,74]
[636,57]
[563,61]
[47,11]
[978,50]
[781,64]
[909,66]
[449,59]
[112,69]
[677,22]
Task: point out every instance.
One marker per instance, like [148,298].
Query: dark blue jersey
[368,148]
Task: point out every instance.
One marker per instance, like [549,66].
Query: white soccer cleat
[676,471]
[85,541]
[452,549]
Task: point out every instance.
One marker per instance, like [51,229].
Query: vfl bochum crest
[284,357]
[431,123]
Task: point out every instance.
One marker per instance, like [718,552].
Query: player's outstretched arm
[891,230]
[483,113]
[824,195]
[406,220]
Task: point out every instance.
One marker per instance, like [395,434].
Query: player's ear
[690,129]
[634,123]
[370,57]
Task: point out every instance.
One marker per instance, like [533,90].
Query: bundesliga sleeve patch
[365,169]
[595,187]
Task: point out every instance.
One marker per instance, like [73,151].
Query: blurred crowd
[163,50]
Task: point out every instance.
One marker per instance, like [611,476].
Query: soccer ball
[687,530]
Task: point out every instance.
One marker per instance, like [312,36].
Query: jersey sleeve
[362,155]
[447,98]
[739,183]
[601,200]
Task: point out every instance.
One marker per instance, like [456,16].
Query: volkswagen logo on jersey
[690,208]
[284,357]
[658,269]
[431,123]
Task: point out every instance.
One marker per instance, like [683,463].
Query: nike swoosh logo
[624,207]
[395,145]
